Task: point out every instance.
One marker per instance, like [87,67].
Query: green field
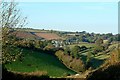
[102,56]
[37,61]
[96,60]
[82,44]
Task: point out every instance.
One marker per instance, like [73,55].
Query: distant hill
[48,36]
[36,35]
[25,35]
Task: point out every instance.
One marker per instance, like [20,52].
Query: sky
[98,17]
[63,0]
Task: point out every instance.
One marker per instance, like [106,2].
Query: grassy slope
[97,60]
[101,56]
[36,61]
[82,44]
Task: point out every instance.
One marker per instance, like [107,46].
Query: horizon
[68,31]
[72,16]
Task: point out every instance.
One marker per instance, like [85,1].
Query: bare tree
[10,20]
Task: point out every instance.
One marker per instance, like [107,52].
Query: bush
[75,50]
[114,56]
[83,48]
[50,46]
[23,76]
[98,49]
[77,65]
[69,61]
[59,54]
[112,72]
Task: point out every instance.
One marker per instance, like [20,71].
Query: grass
[37,61]
[102,56]
[113,45]
[97,59]
[83,44]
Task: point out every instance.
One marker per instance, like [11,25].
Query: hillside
[37,61]
[48,36]
[25,35]
[59,40]
[36,35]
[77,55]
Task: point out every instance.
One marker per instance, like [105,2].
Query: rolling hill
[36,35]
[48,36]
[37,61]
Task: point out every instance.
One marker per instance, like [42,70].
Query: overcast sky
[98,17]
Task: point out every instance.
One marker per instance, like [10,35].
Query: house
[58,43]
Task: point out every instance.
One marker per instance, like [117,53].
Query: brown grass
[36,73]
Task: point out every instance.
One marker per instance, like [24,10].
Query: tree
[75,51]
[99,41]
[49,46]
[67,50]
[83,48]
[39,44]
[10,20]
[59,54]
[110,39]
[97,49]
[77,65]
[115,56]
[88,61]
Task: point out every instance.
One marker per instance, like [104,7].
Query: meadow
[82,44]
[36,61]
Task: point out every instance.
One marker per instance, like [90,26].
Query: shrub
[59,54]
[77,65]
[69,61]
[83,48]
[75,50]
[98,49]
[111,72]
[50,46]
[114,56]
[23,76]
